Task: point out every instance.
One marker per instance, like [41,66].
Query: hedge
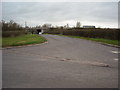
[112,34]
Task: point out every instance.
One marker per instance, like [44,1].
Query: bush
[13,33]
[12,29]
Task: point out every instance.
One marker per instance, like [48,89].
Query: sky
[99,14]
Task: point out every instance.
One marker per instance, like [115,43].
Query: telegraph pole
[25,24]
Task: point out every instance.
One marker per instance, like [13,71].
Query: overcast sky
[100,14]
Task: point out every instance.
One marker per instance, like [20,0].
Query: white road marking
[116,52]
[116,59]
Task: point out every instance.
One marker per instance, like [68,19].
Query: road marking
[116,52]
[116,59]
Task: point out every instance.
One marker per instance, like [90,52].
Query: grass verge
[0,42]
[107,41]
[22,40]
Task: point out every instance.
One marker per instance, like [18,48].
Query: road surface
[63,62]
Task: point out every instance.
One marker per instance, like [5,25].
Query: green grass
[22,40]
[107,41]
[0,42]
[113,42]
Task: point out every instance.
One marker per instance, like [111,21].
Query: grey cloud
[98,12]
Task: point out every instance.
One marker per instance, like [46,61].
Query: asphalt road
[63,62]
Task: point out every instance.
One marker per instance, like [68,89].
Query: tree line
[12,29]
[11,26]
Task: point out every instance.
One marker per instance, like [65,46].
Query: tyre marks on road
[70,60]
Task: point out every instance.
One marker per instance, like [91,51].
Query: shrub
[13,33]
[12,29]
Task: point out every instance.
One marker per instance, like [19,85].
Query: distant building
[86,26]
